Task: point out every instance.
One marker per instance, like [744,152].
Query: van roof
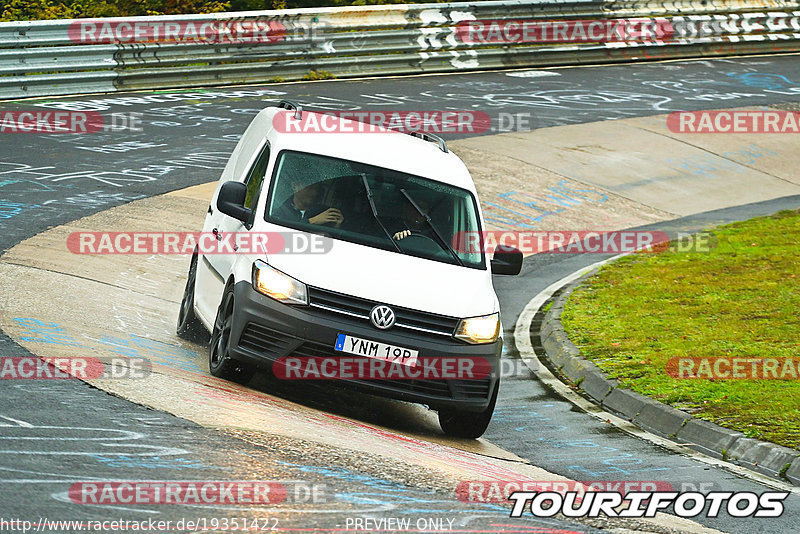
[386,148]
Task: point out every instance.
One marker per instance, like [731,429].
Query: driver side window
[255,178]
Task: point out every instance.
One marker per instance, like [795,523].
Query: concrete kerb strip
[767,458]
[636,414]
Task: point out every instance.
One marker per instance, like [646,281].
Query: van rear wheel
[220,362]
[463,424]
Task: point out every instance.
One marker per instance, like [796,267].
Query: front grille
[437,388]
[310,349]
[445,389]
[273,344]
[418,321]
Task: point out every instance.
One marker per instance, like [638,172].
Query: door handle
[218,235]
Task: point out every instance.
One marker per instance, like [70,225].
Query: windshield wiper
[375,212]
[439,237]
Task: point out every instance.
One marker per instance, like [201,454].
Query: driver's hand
[401,235]
[329,216]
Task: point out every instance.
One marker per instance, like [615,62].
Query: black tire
[463,424]
[189,326]
[220,364]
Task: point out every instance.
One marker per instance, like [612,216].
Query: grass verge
[739,300]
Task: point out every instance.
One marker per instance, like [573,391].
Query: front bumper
[265,330]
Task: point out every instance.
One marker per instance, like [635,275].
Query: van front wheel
[220,363]
[463,424]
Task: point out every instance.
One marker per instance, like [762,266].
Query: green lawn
[742,299]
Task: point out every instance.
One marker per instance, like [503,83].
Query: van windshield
[374,206]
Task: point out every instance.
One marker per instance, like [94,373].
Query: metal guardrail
[42,58]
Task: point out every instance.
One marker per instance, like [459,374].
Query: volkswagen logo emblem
[382,317]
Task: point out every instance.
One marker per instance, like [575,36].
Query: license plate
[376,349]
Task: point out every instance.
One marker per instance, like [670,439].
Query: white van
[390,286]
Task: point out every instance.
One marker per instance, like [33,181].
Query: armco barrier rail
[89,56]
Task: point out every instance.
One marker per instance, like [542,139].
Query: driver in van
[412,221]
[304,205]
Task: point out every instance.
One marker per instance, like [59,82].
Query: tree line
[14,10]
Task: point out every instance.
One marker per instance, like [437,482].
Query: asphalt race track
[56,433]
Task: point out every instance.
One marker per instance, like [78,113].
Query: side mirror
[507,260]
[230,201]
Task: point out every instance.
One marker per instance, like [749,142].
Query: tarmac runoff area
[598,176]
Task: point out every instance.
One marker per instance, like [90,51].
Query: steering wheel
[418,236]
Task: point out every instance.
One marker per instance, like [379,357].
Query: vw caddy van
[391,283]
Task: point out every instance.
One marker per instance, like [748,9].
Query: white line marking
[533,74]
[19,423]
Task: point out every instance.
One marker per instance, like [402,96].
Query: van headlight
[484,329]
[271,282]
